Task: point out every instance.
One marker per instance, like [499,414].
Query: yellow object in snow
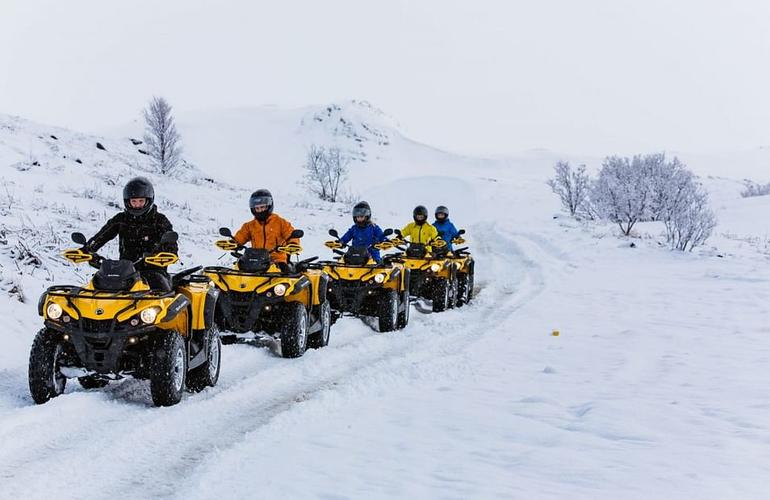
[555,333]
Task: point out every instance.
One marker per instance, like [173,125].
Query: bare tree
[315,171]
[160,134]
[572,186]
[325,171]
[337,171]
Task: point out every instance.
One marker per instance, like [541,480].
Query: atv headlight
[379,278]
[280,289]
[435,267]
[149,315]
[54,310]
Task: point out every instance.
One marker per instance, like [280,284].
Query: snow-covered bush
[651,188]
[692,222]
[571,185]
[754,189]
[622,192]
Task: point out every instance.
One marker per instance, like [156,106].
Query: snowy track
[116,429]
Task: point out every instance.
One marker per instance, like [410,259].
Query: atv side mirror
[333,232]
[388,232]
[225,232]
[79,238]
[461,231]
[398,233]
[169,237]
[297,233]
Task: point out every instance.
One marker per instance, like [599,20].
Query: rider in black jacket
[139,229]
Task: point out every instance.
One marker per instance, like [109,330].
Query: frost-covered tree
[622,192]
[572,186]
[160,134]
[688,219]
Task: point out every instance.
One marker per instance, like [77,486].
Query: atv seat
[115,275]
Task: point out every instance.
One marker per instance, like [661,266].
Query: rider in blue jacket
[364,233]
[446,230]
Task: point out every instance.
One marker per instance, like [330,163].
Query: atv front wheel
[45,378]
[228,339]
[91,382]
[169,369]
[403,317]
[321,338]
[440,295]
[462,290]
[387,311]
[471,274]
[207,374]
[294,331]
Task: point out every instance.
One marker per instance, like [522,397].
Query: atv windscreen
[254,260]
[356,256]
[416,250]
[115,275]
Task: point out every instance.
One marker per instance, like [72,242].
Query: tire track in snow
[157,449]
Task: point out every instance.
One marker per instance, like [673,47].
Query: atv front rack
[321,263]
[85,293]
[236,272]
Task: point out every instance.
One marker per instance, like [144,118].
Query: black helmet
[261,197]
[362,208]
[138,187]
[441,209]
[420,210]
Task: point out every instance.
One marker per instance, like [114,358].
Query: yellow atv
[259,301]
[465,270]
[116,326]
[433,274]
[360,286]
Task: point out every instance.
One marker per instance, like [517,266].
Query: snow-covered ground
[653,389]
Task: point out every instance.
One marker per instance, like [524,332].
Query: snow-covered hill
[653,388]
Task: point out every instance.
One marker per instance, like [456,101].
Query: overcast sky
[589,76]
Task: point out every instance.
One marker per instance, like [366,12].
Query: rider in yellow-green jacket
[420,231]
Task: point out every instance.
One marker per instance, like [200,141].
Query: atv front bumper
[103,349]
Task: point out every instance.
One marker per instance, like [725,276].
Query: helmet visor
[361,212]
[259,201]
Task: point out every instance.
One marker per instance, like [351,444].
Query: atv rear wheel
[321,338]
[45,378]
[207,374]
[294,331]
[440,295]
[169,369]
[91,382]
[387,311]
[403,316]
